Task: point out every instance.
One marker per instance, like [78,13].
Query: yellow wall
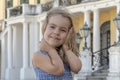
[16,2]
[109,16]
[112,25]
[78,24]
[104,16]
[44,1]
[2,9]
[33,2]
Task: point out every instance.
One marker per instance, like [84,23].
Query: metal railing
[16,11]
[24,9]
[33,9]
[69,2]
[74,2]
[47,6]
[100,58]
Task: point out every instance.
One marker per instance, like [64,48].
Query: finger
[68,37]
[69,34]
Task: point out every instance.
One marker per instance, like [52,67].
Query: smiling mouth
[54,38]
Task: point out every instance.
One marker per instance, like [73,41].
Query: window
[105,43]
[24,1]
[38,1]
[8,4]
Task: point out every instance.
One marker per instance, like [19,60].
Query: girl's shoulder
[42,52]
[39,53]
[38,57]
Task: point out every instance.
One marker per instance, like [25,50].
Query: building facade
[21,22]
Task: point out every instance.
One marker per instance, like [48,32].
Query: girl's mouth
[56,39]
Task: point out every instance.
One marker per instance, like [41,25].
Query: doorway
[105,43]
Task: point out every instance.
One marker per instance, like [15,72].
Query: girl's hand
[45,46]
[66,45]
[52,62]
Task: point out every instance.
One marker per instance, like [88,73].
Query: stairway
[99,75]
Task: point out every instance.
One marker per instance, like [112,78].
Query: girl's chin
[56,46]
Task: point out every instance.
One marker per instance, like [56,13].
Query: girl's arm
[73,61]
[51,64]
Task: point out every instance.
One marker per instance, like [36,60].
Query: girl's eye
[63,30]
[52,27]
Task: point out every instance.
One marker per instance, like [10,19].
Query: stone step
[98,75]
[96,78]
[102,72]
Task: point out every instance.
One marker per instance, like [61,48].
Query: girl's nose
[56,31]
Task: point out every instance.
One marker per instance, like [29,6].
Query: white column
[87,20]
[56,3]
[16,53]
[14,46]
[26,71]
[10,47]
[36,40]
[25,45]
[86,65]
[96,37]
[114,65]
[118,10]
[96,31]
[3,58]
[25,9]
[8,12]
[41,35]
[3,25]
[18,46]
[10,73]
[38,9]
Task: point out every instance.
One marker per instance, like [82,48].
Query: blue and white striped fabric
[42,75]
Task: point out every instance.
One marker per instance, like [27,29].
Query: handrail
[70,2]
[103,49]
[97,59]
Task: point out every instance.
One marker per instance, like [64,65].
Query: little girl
[58,55]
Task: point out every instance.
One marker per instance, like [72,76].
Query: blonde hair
[72,43]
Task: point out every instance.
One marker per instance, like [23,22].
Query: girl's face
[56,30]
